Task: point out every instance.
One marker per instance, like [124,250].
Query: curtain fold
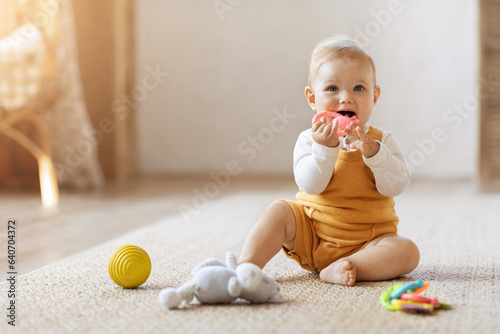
[42,82]
[74,140]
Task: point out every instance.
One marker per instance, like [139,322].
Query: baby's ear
[310,97]
[376,94]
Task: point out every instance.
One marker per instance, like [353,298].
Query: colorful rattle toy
[343,120]
[129,266]
[407,297]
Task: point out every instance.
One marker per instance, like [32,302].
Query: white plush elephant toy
[215,282]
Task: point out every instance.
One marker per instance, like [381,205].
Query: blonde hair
[335,47]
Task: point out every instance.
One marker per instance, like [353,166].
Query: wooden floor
[84,220]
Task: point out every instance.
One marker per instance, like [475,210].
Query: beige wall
[235,70]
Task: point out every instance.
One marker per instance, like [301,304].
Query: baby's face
[343,85]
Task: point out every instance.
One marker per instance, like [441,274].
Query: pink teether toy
[343,121]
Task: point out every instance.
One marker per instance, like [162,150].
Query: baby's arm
[392,176]
[313,163]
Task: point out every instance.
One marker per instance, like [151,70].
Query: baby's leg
[385,257]
[274,228]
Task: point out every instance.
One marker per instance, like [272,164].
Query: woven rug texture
[458,236]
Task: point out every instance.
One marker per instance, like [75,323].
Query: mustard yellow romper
[345,217]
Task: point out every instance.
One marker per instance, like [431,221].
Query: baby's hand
[324,133]
[365,143]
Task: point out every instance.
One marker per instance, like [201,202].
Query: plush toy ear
[234,287]
[276,298]
[249,276]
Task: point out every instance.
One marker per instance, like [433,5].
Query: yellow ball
[129,266]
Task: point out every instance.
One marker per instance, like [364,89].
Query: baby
[343,224]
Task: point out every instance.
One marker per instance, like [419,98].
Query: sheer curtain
[72,136]
[62,110]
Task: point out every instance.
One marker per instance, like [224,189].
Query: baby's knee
[280,209]
[282,214]
[411,252]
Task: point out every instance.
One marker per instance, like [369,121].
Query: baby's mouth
[347,113]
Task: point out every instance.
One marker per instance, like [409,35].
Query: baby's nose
[345,97]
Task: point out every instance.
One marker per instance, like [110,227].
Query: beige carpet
[458,232]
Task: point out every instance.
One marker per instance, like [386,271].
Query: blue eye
[358,88]
[333,89]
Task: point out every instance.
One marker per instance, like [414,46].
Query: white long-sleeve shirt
[314,164]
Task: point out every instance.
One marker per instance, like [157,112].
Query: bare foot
[340,272]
